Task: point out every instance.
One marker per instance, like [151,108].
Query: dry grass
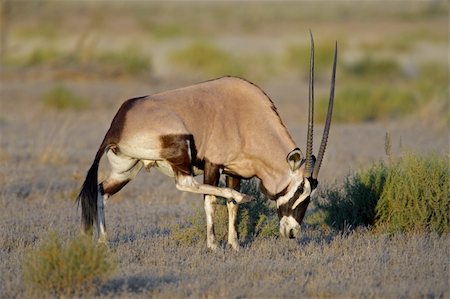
[55,269]
[319,264]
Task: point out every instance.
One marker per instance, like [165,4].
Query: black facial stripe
[313,183]
[286,209]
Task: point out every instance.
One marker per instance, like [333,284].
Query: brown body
[232,122]
[223,126]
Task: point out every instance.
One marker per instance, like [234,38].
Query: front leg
[233,183]
[189,184]
[211,177]
[210,208]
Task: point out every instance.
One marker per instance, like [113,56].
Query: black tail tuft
[88,198]
[89,192]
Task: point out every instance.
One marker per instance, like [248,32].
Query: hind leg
[123,170]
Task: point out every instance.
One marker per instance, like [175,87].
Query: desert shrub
[416,195]
[75,268]
[408,194]
[60,97]
[207,58]
[354,203]
[255,218]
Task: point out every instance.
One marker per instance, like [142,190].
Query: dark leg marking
[233,182]
[112,187]
[179,151]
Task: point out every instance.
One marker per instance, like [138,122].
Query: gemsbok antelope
[224,126]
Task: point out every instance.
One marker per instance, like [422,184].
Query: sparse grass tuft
[410,194]
[256,218]
[61,97]
[59,270]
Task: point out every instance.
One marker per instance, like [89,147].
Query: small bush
[62,98]
[354,204]
[256,218]
[408,194]
[58,270]
[416,195]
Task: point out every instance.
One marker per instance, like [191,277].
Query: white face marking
[305,194]
[285,198]
[289,227]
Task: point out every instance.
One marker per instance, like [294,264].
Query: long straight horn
[309,140]
[323,144]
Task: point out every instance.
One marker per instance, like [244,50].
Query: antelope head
[304,169]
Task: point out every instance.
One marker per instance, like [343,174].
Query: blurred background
[63,62]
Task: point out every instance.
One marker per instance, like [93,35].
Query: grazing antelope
[224,126]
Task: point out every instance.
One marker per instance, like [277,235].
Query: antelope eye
[301,187]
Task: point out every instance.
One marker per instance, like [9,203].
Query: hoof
[242,198]
[103,240]
[212,246]
[234,246]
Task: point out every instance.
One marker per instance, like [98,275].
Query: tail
[89,192]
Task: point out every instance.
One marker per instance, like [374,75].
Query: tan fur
[233,122]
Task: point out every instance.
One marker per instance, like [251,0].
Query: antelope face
[293,204]
[304,171]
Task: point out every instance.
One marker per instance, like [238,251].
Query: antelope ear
[295,159]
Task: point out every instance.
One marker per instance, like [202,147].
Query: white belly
[165,167]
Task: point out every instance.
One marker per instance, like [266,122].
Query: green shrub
[354,204]
[416,195]
[207,58]
[254,219]
[408,194]
[76,268]
[62,98]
